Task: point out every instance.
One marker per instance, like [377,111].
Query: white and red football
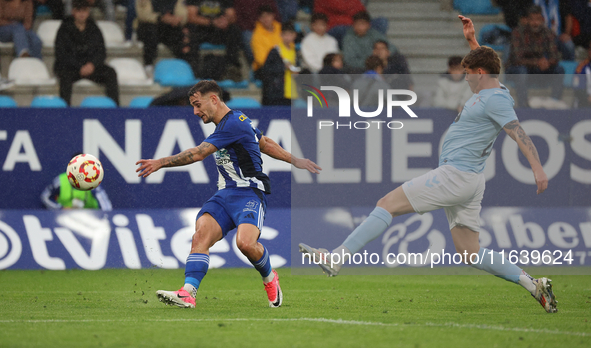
[85,172]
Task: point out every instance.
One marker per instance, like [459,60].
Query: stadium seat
[29,72]
[174,73]
[48,101]
[47,31]
[98,102]
[206,46]
[480,7]
[7,102]
[569,69]
[243,102]
[495,36]
[130,72]
[229,84]
[141,102]
[300,104]
[112,34]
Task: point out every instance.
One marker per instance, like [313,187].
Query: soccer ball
[85,172]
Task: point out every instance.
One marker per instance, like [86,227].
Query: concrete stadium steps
[426,33]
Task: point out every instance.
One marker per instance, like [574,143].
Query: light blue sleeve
[500,109]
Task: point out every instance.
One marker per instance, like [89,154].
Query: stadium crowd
[265,43]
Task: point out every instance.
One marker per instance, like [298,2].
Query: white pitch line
[318,320]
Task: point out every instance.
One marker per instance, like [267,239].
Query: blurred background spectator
[557,17]
[80,53]
[317,44]
[266,35]
[452,90]
[213,21]
[163,21]
[358,42]
[371,82]
[107,6]
[279,68]
[56,7]
[581,13]
[247,14]
[582,82]
[534,51]
[16,25]
[340,15]
[396,71]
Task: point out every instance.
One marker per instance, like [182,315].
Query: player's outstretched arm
[269,147]
[469,32]
[189,156]
[528,148]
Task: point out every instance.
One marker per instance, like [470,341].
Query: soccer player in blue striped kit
[457,185]
[241,199]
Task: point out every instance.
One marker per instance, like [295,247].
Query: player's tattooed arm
[530,152]
[269,147]
[189,156]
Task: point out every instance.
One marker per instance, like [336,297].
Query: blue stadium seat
[98,102]
[206,46]
[569,69]
[492,35]
[174,73]
[48,101]
[299,103]
[481,7]
[7,102]
[141,102]
[243,102]
[229,84]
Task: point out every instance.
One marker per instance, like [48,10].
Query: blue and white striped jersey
[238,157]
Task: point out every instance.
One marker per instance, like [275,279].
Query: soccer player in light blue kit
[241,199]
[457,185]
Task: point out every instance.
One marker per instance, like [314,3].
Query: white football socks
[191,290]
[269,278]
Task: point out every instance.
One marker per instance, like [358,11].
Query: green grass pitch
[119,308]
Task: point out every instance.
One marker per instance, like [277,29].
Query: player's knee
[245,246]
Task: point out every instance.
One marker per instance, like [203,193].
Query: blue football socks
[497,265]
[195,269]
[263,265]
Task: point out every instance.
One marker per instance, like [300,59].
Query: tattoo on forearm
[516,132]
[185,157]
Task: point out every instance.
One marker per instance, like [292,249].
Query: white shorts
[458,193]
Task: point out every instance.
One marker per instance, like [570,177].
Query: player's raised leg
[393,204]
[207,233]
[466,243]
[247,241]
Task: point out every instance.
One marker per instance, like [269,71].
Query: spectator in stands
[371,82]
[55,6]
[556,16]
[246,18]
[452,90]
[514,11]
[358,42]
[340,15]
[107,6]
[582,82]
[332,64]
[163,21]
[61,195]
[533,51]
[16,25]
[396,71]
[266,35]
[80,53]
[581,11]
[213,21]
[317,44]
[279,68]
[288,9]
